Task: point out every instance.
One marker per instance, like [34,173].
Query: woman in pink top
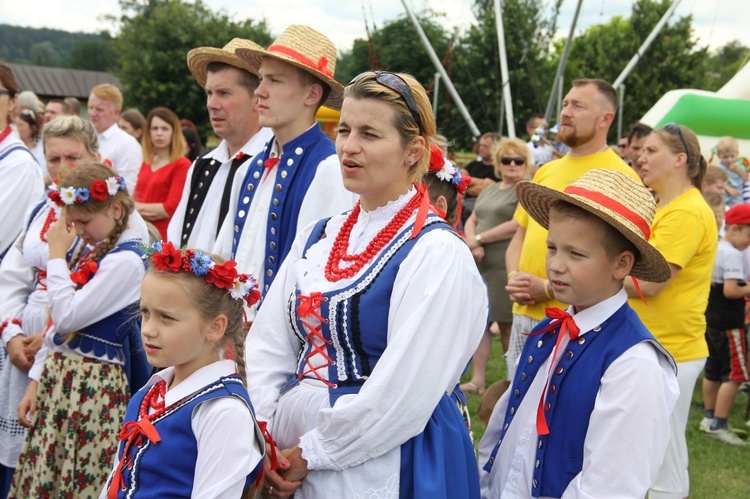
[164,168]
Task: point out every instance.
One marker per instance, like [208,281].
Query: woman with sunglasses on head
[29,126]
[684,231]
[372,319]
[488,232]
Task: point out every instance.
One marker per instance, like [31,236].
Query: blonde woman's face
[60,151]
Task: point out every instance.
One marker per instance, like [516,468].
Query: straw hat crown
[199,58]
[619,199]
[307,49]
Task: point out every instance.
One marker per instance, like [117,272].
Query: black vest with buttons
[571,393]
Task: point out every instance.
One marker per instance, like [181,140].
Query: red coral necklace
[51,218]
[333,270]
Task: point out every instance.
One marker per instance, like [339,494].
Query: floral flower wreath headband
[447,171]
[99,191]
[163,256]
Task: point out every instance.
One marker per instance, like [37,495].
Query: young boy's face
[729,157]
[580,271]
[281,95]
[718,187]
[739,236]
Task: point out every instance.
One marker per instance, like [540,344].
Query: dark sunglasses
[398,85]
[674,129]
[517,160]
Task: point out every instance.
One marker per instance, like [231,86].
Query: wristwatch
[478,238]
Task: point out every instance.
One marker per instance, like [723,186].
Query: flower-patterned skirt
[70,447]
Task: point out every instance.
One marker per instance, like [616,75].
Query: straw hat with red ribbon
[307,49]
[199,58]
[619,199]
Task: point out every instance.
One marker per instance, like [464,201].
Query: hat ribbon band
[613,205]
[321,66]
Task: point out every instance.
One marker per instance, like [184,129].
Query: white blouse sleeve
[22,187]
[228,449]
[623,453]
[16,283]
[439,311]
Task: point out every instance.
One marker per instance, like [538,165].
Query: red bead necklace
[152,401]
[5,133]
[51,218]
[338,252]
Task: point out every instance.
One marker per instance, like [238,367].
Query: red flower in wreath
[223,275]
[55,197]
[168,259]
[436,158]
[82,275]
[252,297]
[99,190]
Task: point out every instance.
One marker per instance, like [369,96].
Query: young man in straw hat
[587,113]
[587,413]
[230,83]
[296,180]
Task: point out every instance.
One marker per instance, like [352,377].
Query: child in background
[716,202]
[196,414]
[728,150]
[726,367]
[78,390]
[572,423]
[446,186]
[715,180]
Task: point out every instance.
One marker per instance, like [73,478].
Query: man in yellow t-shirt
[587,113]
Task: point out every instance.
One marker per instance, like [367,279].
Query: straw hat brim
[335,96]
[537,199]
[199,58]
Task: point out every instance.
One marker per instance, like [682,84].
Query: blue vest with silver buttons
[296,170]
[571,393]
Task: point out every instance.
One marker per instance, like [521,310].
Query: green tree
[94,55]
[674,59]
[724,63]
[154,40]
[44,54]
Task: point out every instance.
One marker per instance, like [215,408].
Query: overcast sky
[715,22]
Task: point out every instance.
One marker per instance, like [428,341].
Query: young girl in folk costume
[446,185]
[337,362]
[23,286]
[196,414]
[78,390]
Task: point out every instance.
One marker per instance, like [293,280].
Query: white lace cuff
[313,452]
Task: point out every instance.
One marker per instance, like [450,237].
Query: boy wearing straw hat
[230,83]
[296,180]
[587,414]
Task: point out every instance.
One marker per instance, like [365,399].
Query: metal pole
[621,95]
[561,66]
[504,71]
[438,66]
[645,45]
[435,94]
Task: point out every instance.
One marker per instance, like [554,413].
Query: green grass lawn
[717,470]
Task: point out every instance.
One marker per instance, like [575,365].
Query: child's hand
[28,405]
[32,344]
[60,236]
[16,353]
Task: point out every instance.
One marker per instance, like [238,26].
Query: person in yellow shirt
[587,113]
[684,231]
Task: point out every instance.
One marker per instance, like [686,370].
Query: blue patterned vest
[356,330]
[296,170]
[167,469]
[571,393]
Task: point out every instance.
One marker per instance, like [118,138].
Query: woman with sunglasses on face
[684,231]
[488,232]
[372,319]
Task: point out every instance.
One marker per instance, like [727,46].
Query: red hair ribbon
[566,323]
[424,208]
[436,158]
[321,66]
[272,445]
[613,205]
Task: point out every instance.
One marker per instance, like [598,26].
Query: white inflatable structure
[711,115]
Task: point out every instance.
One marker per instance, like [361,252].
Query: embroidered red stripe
[321,66]
[613,205]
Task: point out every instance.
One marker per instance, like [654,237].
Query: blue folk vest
[167,469]
[571,393]
[296,170]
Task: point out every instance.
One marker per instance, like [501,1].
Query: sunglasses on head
[398,85]
[519,160]
[674,129]
[4,92]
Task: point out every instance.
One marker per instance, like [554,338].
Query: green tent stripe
[712,116]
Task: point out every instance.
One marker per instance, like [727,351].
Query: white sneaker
[726,436]
[705,424]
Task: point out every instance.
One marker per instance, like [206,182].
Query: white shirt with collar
[228,449]
[203,235]
[628,429]
[124,152]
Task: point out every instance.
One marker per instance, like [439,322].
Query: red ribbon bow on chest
[269,164]
[566,323]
